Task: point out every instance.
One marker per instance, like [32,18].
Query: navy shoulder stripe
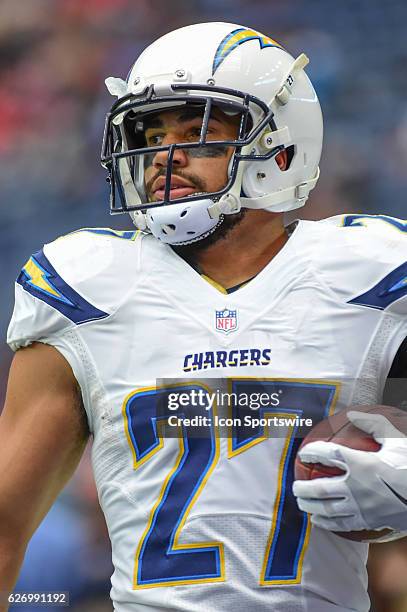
[390,289]
[40,278]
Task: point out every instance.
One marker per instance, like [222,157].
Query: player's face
[194,170]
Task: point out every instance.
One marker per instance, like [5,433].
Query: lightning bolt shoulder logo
[40,278]
[237,38]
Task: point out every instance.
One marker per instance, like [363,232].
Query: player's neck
[245,251]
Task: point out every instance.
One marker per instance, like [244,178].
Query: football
[337,428]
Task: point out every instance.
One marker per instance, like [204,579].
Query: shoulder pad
[99,264]
[364,258]
[78,278]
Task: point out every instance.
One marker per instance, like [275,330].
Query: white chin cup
[182,223]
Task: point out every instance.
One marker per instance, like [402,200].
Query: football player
[214,135]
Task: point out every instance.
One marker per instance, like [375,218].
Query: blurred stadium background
[54,56]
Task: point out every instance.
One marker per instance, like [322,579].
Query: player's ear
[282,159]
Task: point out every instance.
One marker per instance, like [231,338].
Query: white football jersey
[209,523]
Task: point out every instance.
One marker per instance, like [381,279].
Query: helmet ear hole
[284,158]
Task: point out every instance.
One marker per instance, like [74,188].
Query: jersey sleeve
[78,280]
[363,258]
[48,296]
[362,261]
[75,280]
[45,304]
[33,321]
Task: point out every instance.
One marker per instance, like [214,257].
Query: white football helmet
[240,71]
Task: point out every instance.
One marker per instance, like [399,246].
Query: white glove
[372,494]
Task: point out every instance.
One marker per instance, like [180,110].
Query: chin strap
[298,193]
[231,203]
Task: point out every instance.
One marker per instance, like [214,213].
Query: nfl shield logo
[226,320]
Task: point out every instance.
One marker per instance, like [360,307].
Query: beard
[189,252]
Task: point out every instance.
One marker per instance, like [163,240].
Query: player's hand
[372,494]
